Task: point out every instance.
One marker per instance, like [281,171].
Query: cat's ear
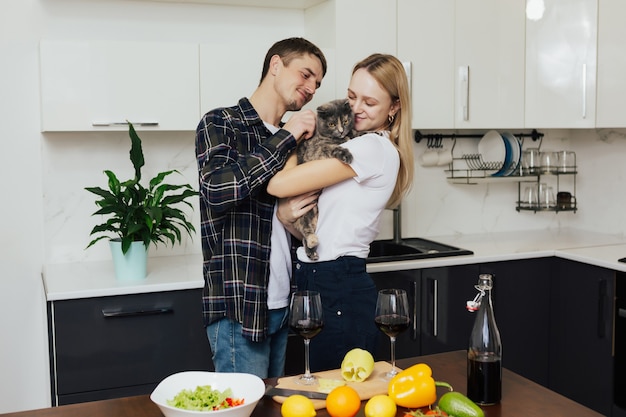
[323,107]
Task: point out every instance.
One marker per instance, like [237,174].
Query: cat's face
[335,119]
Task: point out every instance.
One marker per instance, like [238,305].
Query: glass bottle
[484,355]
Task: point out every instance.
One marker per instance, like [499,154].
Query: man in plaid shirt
[247,263]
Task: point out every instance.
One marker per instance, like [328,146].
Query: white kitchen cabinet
[561,65]
[339,27]
[489,64]
[611,64]
[426,39]
[468,62]
[98,85]
[227,74]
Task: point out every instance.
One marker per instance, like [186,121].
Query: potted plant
[138,216]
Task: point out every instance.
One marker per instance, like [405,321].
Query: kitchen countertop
[169,273]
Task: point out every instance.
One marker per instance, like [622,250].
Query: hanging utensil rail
[418,136]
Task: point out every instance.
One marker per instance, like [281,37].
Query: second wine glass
[306,319]
[392,318]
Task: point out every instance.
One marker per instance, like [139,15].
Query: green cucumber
[458,405]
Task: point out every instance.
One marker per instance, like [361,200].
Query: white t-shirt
[350,211]
[278,285]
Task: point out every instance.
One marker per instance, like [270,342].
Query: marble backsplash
[434,207]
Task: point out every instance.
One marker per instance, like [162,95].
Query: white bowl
[247,386]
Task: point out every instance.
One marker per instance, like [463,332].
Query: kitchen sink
[411,249]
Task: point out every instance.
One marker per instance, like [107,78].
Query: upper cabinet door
[489,64]
[99,85]
[467,62]
[426,40]
[611,64]
[346,38]
[561,65]
[226,74]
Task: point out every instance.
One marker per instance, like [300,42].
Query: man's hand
[291,209]
[302,124]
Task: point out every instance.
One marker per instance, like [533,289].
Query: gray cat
[335,125]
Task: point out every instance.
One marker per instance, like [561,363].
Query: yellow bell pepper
[415,387]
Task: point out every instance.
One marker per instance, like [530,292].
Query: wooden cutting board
[375,384]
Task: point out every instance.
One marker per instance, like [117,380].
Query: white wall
[45,215]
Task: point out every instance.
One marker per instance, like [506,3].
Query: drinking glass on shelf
[530,198]
[549,161]
[392,318]
[306,319]
[546,196]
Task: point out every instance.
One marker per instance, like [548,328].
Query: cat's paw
[310,245]
[343,155]
[312,254]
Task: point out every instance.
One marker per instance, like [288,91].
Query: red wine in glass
[392,324]
[306,319]
[392,318]
[307,329]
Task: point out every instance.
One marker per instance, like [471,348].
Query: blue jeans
[349,303]
[234,353]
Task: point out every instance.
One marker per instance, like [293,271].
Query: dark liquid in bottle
[309,329]
[484,381]
[392,324]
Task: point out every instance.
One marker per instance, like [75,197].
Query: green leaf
[136,151]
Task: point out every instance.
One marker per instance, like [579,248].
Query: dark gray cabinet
[581,339]
[521,301]
[437,296]
[117,346]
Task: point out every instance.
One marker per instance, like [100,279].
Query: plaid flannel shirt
[236,156]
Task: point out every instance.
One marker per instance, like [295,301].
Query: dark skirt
[348,298]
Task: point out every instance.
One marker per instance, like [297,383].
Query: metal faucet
[396,225]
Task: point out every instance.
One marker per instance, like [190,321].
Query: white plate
[492,148]
[516,153]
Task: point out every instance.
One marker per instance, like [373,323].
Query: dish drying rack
[476,170]
[470,168]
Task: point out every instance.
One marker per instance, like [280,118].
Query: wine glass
[392,318]
[306,319]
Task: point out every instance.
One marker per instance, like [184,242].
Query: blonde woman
[351,203]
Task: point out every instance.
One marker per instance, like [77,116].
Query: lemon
[357,365]
[297,406]
[380,406]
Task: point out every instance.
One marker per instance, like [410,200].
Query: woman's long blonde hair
[389,72]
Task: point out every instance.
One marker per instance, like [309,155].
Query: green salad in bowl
[199,393]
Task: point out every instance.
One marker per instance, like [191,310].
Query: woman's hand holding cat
[302,124]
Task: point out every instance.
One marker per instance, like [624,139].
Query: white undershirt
[278,285]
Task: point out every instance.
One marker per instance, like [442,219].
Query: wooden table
[520,397]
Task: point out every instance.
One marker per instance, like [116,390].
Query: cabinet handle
[408,71]
[621,312]
[584,91]
[435,307]
[435,298]
[105,124]
[416,303]
[464,88]
[136,312]
[602,292]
